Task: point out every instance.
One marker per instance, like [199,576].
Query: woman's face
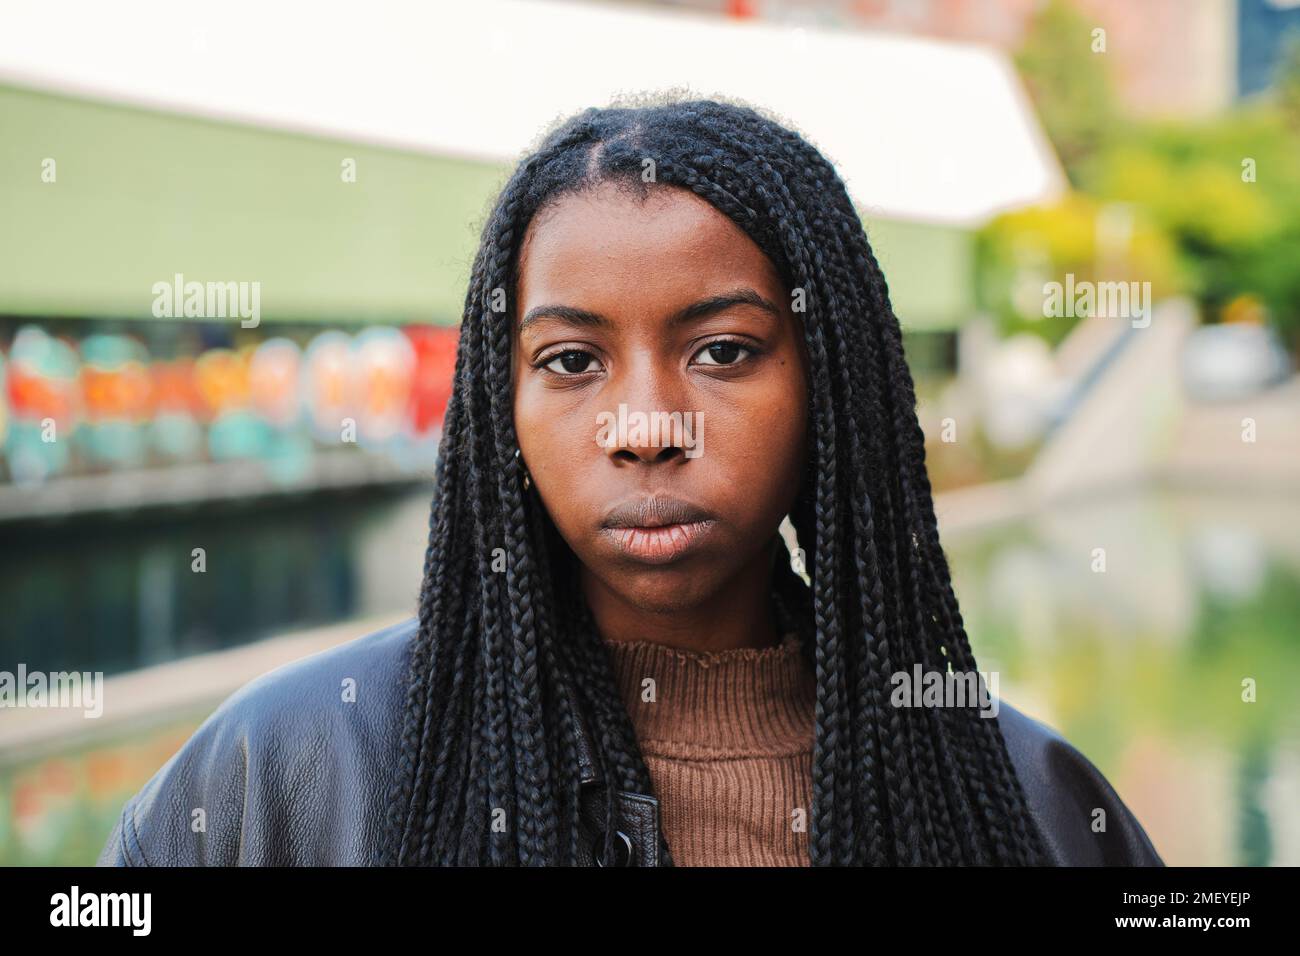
[659,392]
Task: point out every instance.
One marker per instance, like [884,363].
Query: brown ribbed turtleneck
[728,742]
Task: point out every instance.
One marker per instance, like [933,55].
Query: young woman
[675,336]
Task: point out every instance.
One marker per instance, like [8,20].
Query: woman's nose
[647,420]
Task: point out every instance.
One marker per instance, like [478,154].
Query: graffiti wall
[82,401]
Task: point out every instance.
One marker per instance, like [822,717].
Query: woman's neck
[740,615]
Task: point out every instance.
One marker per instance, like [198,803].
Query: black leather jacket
[288,773]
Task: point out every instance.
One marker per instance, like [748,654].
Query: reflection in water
[1157,633]
[1256,836]
[125,593]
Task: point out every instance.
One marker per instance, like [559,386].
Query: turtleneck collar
[740,702]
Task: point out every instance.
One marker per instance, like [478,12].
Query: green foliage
[1018,253]
[1227,192]
[1214,203]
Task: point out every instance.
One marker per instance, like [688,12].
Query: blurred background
[1117,476]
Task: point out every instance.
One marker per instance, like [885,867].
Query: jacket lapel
[638,812]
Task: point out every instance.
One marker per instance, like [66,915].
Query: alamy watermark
[1115,300]
[683,430]
[208,300]
[952,688]
[130,910]
[62,689]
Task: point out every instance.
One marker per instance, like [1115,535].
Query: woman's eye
[572,362]
[722,353]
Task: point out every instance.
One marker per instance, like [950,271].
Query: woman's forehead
[611,244]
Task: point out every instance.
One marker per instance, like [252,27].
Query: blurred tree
[1068,83]
[1214,203]
[1020,252]
[1227,191]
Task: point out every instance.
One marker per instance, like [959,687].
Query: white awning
[920,130]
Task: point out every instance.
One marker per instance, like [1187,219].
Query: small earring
[527,481]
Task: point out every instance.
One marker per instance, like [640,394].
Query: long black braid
[508,658]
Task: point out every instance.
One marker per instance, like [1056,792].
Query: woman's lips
[662,544]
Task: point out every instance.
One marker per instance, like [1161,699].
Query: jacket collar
[638,812]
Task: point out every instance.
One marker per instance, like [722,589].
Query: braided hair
[507,657]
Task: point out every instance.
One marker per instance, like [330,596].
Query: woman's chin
[667,589]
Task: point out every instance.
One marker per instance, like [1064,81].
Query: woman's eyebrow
[692,313]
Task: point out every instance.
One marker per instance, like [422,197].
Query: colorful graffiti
[103,403]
